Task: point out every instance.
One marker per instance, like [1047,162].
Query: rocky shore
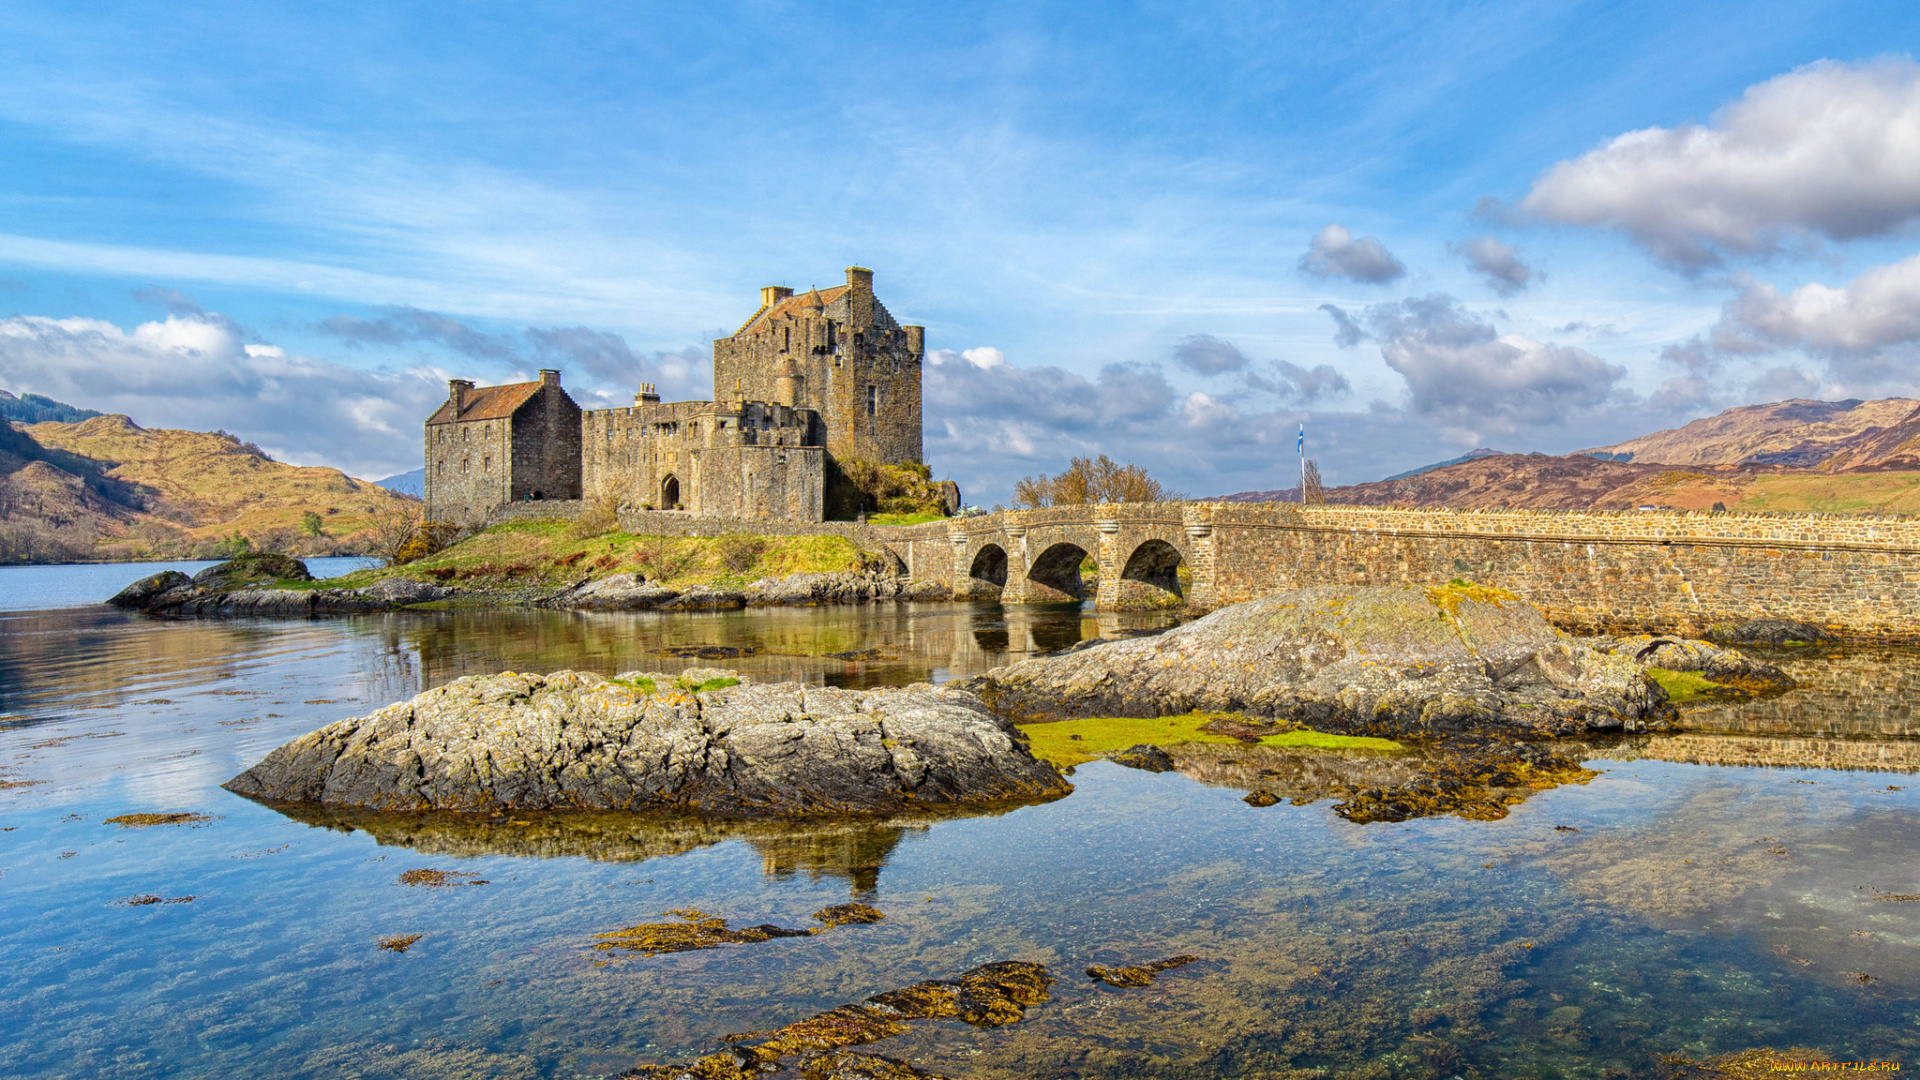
[256,585]
[702,742]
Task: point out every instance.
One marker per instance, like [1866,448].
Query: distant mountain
[407,483]
[1291,494]
[107,488]
[1798,433]
[34,409]
[1468,456]
[1523,481]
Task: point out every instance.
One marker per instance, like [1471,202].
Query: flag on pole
[1301,446]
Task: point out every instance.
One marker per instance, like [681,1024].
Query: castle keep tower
[838,352]
[501,444]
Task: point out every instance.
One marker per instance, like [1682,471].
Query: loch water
[1754,881]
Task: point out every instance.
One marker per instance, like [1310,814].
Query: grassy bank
[521,554]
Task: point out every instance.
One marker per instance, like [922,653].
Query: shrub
[598,518]
[1092,480]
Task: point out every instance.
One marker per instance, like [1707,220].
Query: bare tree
[1092,480]
[1310,489]
[394,527]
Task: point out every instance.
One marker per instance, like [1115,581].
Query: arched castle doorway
[669,493]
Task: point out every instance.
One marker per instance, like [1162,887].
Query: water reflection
[852,850]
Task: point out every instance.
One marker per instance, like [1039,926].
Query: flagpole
[1300,448]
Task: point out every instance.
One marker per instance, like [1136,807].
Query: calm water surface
[1717,895]
[39,588]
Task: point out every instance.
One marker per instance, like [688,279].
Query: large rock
[618,592]
[142,593]
[1396,660]
[260,568]
[573,740]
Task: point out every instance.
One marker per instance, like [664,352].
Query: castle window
[830,343]
[873,400]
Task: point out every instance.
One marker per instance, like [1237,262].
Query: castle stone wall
[546,445]
[468,468]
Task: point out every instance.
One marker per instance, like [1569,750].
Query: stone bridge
[1671,571]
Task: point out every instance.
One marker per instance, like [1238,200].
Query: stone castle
[810,381]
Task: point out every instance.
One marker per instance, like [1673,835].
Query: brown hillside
[1796,433]
[1521,481]
[1540,482]
[108,488]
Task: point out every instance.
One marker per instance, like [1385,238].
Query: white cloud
[1499,263]
[1878,309]
[1828,150]
[1465,375]
[194,372]
[1334,252]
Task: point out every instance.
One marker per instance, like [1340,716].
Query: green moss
[642,684]
[1684,685]
[904,519]
[1097,736]
[692,687]
[1320,740]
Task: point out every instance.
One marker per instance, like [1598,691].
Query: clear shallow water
[1699,908]
[41,588]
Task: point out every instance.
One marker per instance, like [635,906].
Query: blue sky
[1166,232]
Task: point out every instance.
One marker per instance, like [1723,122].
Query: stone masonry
[806,382]
[501,444]
[1589,571]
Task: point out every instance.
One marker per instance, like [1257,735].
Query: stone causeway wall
[1670,571]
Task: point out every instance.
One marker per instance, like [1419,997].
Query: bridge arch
[1055,573]
[988,572]
[1151,577]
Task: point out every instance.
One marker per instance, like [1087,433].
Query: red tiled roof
[793,305]
[487,403]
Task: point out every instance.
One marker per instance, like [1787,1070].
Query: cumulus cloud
[1291,382]
[195,372]
[1499,263]
[1463,373]
[1878,309]
[1784,383]
[1828,150]
[1209,355]
[1335,252]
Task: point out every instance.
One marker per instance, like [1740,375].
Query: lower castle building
[809,381]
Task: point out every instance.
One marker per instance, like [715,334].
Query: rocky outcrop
[242,586]
[573,740]
[1729,667]
[1396,660]
[1779,632]
[615,592]
[842,587]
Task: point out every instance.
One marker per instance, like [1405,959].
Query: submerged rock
[1742,1064]
[988,996]
[573,740]
[1393,660]
[1148,758]
[1772,632]
[1135,975]
[699,930]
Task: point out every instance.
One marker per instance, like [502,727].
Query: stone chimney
[916,339]
[648,395]
[859,279]
[457,390]
[773,294]
[549,377]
